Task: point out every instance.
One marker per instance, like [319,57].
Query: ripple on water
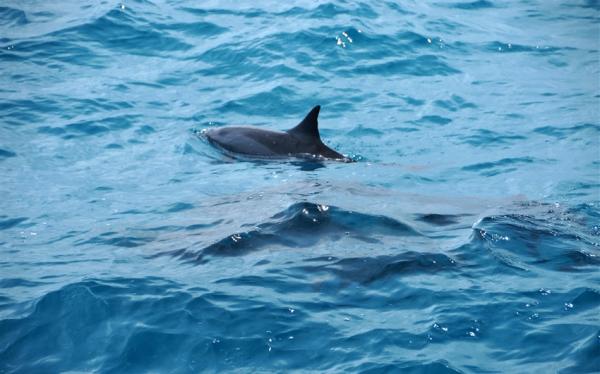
[501,166]
[94,127]
[373,269]
[6,154]
[485,138]
[7,222]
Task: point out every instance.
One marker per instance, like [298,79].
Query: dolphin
[303,140]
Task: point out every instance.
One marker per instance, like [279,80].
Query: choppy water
[465,238]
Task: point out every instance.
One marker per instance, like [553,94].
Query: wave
[303,225]
[540,241]
[116,31]
[96,325]
[402,53]
[135,324]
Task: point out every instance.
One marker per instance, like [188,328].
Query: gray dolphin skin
[301,141]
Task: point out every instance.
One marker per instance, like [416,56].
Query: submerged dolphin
[300,141]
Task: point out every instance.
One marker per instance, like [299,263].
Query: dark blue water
[464,239]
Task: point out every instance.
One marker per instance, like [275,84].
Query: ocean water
[465,238]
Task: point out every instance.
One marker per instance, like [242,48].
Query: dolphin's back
[252,141]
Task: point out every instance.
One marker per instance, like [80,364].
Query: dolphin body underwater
[301,141]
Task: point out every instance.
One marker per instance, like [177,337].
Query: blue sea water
[464,239]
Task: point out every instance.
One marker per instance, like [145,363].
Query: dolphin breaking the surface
[301,141]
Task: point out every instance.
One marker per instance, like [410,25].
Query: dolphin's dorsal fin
[309,127]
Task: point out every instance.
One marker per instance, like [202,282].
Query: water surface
[464,239]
